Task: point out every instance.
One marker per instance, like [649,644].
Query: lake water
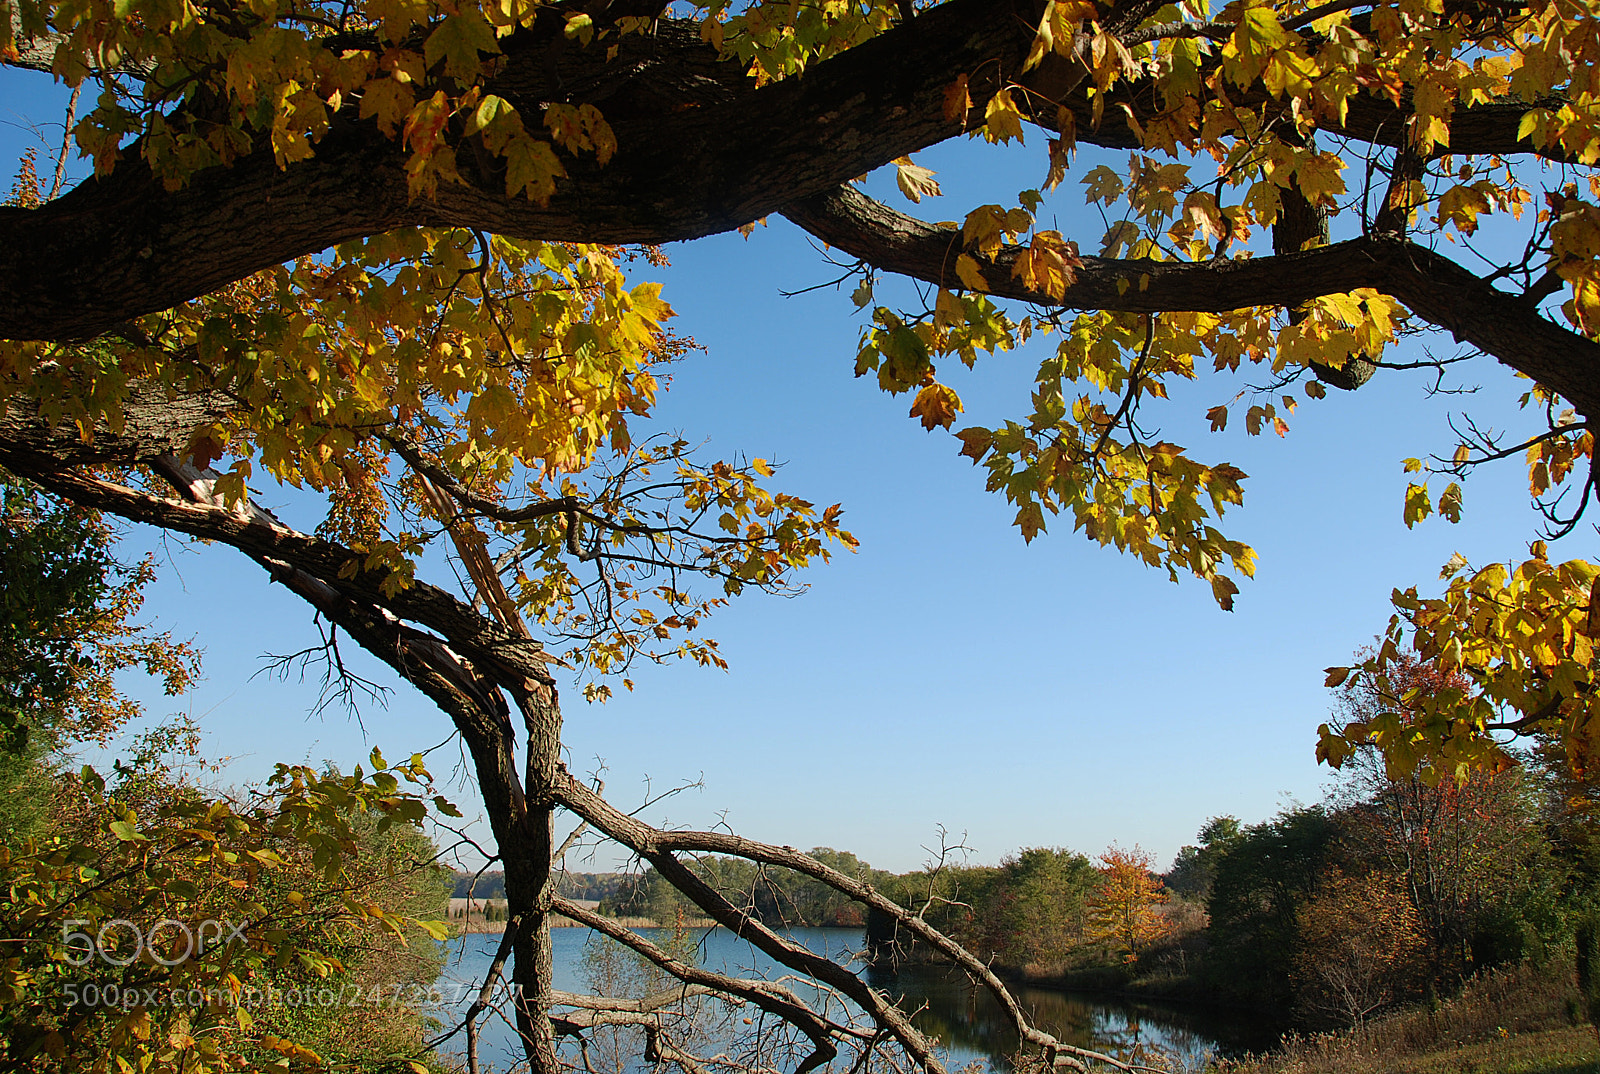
[965,1020]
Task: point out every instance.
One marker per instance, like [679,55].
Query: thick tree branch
[701,150]
[689,163]
[1432,286]
[512,659]
[154,422]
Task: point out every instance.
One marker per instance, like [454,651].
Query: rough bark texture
[155,422]
[701,150]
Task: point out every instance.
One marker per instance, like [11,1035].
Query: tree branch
[659,848]
[769,996]
[123,245]
[1432,286]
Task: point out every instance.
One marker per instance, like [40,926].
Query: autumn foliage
[1124,913]
[1361,946]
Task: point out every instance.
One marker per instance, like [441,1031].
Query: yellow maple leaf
[1319,179]
[1460,206]
[599,133]
[457,42]
[1030,520]
[531,166]
[984,229]
[1002,120]
[398,16]
[937,406]
[425,122]
[1046,264]
[566,128]
[388,101]
[970,275]
[914,180]
[1256,37]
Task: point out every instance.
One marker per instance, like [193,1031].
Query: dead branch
[659,848]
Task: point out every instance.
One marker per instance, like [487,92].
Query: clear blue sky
[1054,694]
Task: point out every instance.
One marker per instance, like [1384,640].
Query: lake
[966,1021]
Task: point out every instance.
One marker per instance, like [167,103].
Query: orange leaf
[936,405]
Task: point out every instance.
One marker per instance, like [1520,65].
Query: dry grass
[1511,1021]
[1568,1050]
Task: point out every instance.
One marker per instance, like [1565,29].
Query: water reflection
[965,1019]
[971,1023]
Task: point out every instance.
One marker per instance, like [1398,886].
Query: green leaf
[457,41]
[1418,506]
[489,109]
[127,832]
[580,26]
[1450,502]
[437,929]
[1030,520]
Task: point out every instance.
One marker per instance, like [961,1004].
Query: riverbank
[1516,1020]
[1513,1021]
[1168,990]
[497,925]
[1567,1050]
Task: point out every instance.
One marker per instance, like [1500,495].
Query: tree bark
[1505,326]
[700,150]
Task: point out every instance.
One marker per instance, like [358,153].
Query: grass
[1566,1050]
[1512,1021]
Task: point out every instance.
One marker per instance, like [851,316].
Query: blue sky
[946,674]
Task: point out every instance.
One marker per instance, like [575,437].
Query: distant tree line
[1391,890]
[586,886]
[1395,889]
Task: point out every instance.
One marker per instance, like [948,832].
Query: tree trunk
[530,883]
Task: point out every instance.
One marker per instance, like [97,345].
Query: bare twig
[66,143]
[484,999]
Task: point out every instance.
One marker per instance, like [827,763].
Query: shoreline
[477,925]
